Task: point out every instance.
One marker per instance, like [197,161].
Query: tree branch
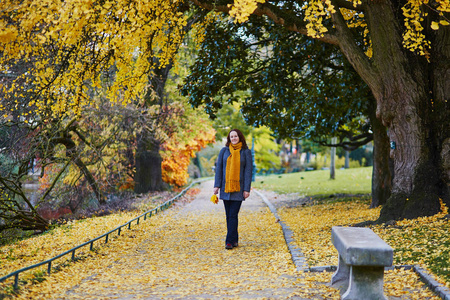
[269,10]
[353,142]
[353,52]
[349,5]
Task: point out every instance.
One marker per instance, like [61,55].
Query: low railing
[48,262]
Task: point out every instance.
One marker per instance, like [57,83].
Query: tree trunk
[381,174]
[411,103]
[90,179]
[148,176]
[417,128]
[347,159]
[72,152]
[333,159]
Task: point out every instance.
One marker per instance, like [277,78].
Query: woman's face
[234,138]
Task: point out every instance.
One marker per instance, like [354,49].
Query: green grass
[311,183]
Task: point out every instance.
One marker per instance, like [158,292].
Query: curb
[297,256]
[440,290]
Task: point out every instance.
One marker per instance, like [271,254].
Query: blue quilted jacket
[245,175]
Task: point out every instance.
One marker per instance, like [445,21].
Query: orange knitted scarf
[232,174]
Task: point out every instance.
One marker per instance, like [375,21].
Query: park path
[185,258]
[180,254]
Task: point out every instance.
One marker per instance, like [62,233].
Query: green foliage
[297,86]
[38,276]
[229,117]
[207,165]
[266,149]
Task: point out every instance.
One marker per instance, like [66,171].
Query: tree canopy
[53,51]
[297,86]
[400,49]
[63,67]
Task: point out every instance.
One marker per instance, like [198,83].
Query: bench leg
[365,283]
[341,276]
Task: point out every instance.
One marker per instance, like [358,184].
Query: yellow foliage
[162,264]
[199,28]
[40,248]
[413,38]
[68,45]
[214,199]
[316,11]
[157,262]
[242,9]
[356,19]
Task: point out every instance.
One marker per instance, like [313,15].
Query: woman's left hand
[246,194]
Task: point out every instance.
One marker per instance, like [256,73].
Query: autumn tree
[402,55]
[78,46]
[61,57]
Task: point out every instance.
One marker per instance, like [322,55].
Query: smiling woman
[233,178]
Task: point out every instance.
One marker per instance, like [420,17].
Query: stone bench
[363,255]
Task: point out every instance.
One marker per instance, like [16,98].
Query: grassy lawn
[347,181]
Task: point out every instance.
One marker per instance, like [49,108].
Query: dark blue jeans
[232,210]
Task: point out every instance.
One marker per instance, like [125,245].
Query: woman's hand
[246,194]
[216,190]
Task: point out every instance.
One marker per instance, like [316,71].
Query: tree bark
[71,151]
[347,159]
[407,104]
[148,176]
[381,174]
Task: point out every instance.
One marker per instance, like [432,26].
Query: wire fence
[104,236]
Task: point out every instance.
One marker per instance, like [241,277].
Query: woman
[233,179]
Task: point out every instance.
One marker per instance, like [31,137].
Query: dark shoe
[235,244]
[228,246]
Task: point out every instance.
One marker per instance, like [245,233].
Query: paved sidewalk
[186,259]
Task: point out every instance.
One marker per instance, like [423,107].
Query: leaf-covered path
[182,256]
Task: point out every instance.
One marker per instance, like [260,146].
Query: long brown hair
[241,138]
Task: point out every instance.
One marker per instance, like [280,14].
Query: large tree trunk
[148,176]
[411,103]
[406,105]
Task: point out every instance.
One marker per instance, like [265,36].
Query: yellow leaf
[434,25]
